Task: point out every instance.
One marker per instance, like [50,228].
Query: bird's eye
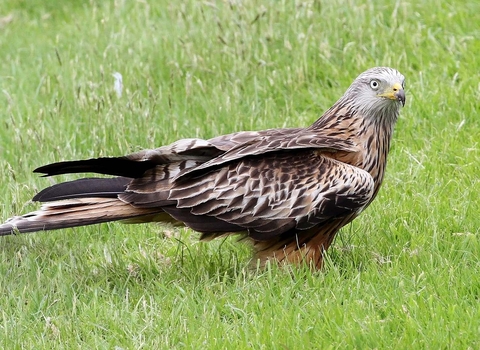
[374,84]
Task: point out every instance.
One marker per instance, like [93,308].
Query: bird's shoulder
[246,144]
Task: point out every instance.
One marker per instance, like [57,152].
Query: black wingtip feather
[117,166]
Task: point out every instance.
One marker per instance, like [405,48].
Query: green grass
[402,276]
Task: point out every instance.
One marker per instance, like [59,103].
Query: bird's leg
[306,247]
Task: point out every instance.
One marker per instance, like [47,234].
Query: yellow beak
[395,92]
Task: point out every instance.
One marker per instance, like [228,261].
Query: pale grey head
[378,92]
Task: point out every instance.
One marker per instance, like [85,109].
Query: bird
[286,191]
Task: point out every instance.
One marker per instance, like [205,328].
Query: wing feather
[269,195]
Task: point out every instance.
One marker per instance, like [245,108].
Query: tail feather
[73,213]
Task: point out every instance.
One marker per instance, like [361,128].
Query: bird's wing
[266,195]
[265,182]
[191,162]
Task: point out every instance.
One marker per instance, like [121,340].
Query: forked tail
[77,203]
[72,213]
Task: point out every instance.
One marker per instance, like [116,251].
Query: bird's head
[377,91]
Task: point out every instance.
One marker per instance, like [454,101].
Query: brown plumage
[287,190]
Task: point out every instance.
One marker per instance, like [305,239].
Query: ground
[404,275]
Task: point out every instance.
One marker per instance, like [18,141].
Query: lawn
[404,275]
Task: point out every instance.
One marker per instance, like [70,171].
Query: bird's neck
[371,135]
[375,151]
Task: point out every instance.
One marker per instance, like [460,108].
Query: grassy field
[405,275]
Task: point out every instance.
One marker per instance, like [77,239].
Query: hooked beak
[396,92]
